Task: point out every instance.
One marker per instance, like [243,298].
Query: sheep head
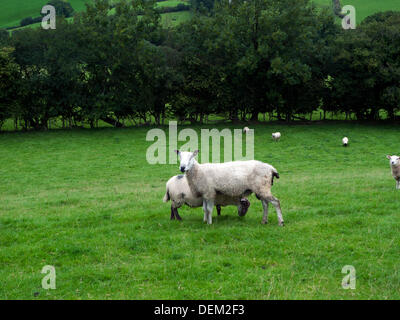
[187,159]
[394,160]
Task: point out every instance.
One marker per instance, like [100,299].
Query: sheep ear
[388,156]
[195,153]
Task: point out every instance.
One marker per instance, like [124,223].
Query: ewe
[395,166]
[236,179]
[345,141]
[246,130]
[276,136]
[178,191]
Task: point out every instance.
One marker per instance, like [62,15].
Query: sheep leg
[172,213]
[209,209]
[205,211]
[219,210]
[276,203]
[265,215]
[178,217]
[397,184]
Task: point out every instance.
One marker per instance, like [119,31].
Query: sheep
[246,130]
[345,141]
[233,179]
[395,167]
[178,191]
[276,136]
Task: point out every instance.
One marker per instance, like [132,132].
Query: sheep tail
[166,197]
[275,174]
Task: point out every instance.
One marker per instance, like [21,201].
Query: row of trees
[287,58]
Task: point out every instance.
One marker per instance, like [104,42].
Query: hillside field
[88,203]
[12,12]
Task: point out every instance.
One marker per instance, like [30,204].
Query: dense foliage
[285,58]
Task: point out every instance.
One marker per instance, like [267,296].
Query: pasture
[88,203]
[12,12]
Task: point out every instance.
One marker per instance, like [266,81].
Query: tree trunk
[113,122]
[254,115]
[337,8]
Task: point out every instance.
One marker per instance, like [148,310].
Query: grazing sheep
[236,179]
[246,130]
[276,136]
[345,141]
[178,191]
[395,166]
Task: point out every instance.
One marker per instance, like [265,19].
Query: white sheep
[345,141]
[395,166]
[246,130]
[276,136]
[233,179]
[178,191]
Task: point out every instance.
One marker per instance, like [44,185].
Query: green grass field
[12,12]
[88,203]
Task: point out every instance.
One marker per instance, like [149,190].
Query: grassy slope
[168,19]
[12,12]
[88,203]
[365,8]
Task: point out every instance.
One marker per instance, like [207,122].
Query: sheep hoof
[282,224]
[264,222]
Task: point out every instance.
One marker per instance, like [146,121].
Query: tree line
[240,59]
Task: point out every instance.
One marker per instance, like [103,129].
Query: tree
[202,5]
[63,8]
[367,67]
[4,37]
[112,48]
[8,83]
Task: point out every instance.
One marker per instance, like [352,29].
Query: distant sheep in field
[276,136]
[345,141]
[246,130]
[235,179]
[178,191]
[395,167]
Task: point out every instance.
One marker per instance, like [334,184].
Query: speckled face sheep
[233,179]
[345,141]
[395,166]
[178,191]
[276,136]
